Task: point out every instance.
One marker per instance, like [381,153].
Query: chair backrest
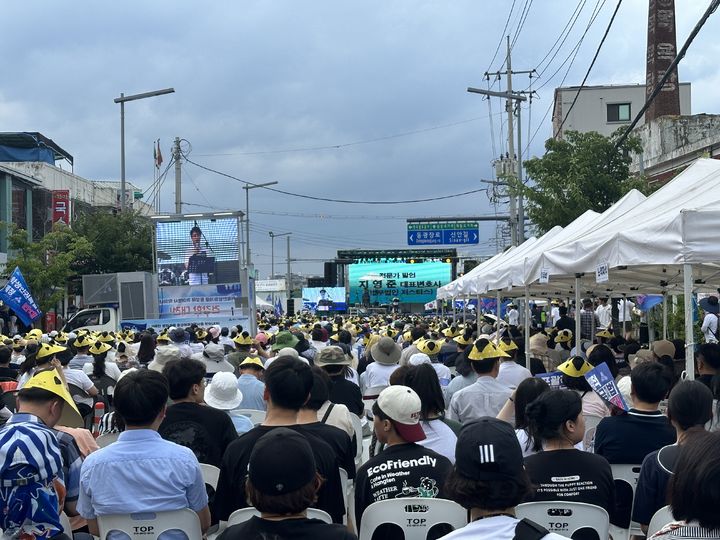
[564,518]
[105,385]
[661,518]
[150,525]
[65,522]
[255,416]
[8,386]
[77,392]
[344,483]
[106,439]
[357,426]
[243,514]
[210,474]
[9,400]
[414,515]
[591,423]
[629,475]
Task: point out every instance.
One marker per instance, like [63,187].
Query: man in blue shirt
[249,383]
[141,472]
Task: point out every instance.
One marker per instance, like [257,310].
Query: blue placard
[18,298]
[554,379]
[602,382]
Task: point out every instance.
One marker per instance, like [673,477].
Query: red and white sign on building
[61,206]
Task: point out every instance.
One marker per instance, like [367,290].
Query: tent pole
[689,334]
[624,312]
[578,349]
[665,316]
[499,318]
[478,316]
[442,309]
[465,301]
[526,330]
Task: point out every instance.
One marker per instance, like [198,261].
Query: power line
[502,35]
[587,74]
[326,199]
[566,33]
[523,18]
[680,55]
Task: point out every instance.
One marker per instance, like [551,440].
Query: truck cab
[96,319]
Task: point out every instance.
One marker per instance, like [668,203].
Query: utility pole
[178,176]
[512,107]
[289,276]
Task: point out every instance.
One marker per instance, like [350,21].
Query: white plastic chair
[210,474]
[150,525]
[628,474]
[414,515]
[255,416]
[564,518]
[65,522]
[357,426]
[243,514]
[591,423]
[344,483]
[106,439]
[661,518]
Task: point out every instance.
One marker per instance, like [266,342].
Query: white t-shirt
[79,379]
[511,373]
[111,370]
[554,315]
[377,374]
[440,438]
[527,446]
[625,310]
[513,317]
[710,328]
[492,528]
[604,315]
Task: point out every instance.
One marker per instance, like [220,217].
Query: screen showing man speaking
[324,299]
[197,251]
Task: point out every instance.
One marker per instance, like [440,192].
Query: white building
[604,108]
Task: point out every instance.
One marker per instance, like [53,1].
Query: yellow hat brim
[50,381]
[490,351]
[568,368]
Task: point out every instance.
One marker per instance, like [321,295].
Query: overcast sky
[263,87]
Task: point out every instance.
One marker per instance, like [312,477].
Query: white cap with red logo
[402,405]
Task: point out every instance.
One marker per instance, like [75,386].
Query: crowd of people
[446,409]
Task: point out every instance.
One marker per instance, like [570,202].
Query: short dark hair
[603,354]
[547,414]
[563,310]
[317,334]
[711,354]
[5,354]
[320,392]
[690,404]
[424,380]
[417,332]
[289,503]
[182,374]
[37,395]
[651,381]
[289,382]
[487,494]
[694,493]
[140,396]
[195,229]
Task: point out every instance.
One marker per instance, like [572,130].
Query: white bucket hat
[223,392]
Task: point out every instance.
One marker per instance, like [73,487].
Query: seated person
[155,475]
[282,483]
[555,419]
[490,489]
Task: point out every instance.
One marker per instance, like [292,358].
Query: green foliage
[582,172]
[121,243]
[48,263]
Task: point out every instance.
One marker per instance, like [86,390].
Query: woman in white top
[385,356]
[439,433]
[100,365]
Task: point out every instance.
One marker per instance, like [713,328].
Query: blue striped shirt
[26,440]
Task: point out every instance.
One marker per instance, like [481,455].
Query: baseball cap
[282,461]
[488,449]
[402,405]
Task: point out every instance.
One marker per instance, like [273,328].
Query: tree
[121,242]
[47,264]
[583,171]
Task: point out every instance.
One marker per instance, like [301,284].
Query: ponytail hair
[546,415]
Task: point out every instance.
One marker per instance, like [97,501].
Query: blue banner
[17,297]
[602,382]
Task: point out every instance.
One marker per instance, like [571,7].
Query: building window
[618,112]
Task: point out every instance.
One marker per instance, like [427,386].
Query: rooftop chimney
[661,51]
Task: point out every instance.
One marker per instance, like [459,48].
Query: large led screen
[197,251]
[324,299]
[412,283]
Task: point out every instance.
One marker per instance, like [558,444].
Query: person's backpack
[529,530]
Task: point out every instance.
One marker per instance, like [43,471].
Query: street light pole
[247,189]
[273,236]
[121,100]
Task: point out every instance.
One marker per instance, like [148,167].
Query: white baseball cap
[402,405]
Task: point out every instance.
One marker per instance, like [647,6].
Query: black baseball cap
[488,449]
[282,461]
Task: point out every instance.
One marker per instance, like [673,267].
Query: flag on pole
[158,155]
[155,155]
[278,308]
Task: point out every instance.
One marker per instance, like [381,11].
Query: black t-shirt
[565,323]
[206,431]
[8,373]
[339,441]
[288,529]
[230,493]
[347,393]
[651,490]
[571,475]
[630,437]
[706,380]
[401,470]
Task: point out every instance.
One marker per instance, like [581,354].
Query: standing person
[513,315]
[554,312]
[708,363]
[689,410]
[33,490]
[196,258]
[490,485]
[710,325]
[486,396]
[205,430]
[288,383]
[604,314]
[282,484]
[561,471]
[625,309]
[403,468]
[588,320]
[163,476]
